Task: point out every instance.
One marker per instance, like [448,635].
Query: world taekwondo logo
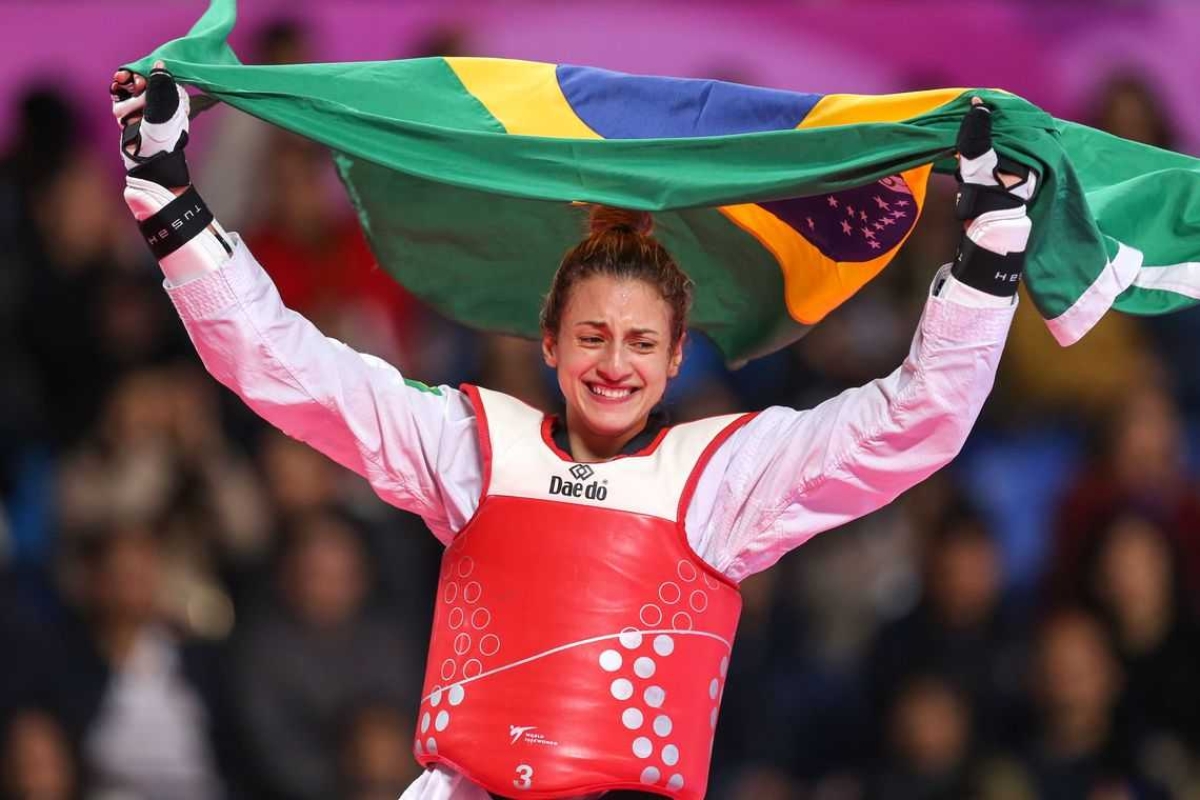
[526,734]
[596,490]
[517,731]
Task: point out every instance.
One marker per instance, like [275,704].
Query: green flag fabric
[471,177]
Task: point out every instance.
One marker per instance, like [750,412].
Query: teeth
[612,394]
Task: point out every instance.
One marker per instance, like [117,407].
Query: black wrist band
[987,271]
[180,221]
[974,200]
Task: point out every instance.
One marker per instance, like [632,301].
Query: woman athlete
[588,595]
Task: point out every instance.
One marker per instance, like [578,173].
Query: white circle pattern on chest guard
[465,612]
[669,593]
[650,615]
[633,669]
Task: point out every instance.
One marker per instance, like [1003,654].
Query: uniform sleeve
[416,445]
[789,475]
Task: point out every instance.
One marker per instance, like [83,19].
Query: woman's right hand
[152,113]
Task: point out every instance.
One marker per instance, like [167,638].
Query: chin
[612,421]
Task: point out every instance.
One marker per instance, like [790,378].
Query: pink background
[1052,53]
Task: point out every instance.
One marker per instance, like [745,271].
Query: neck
[1076,733]
[587,446]
[116,639]
[1143,629]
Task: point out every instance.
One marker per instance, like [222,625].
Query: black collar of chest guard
[655,423]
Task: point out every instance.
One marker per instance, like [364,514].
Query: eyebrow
[601,324]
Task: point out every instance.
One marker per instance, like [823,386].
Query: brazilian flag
[472,176]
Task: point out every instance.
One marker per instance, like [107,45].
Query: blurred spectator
[702,387]
[1114,357]
[1079,749]
[442,39]
[376,754]
[959,628]
[514,366]
[36,762]
[1127,104]
[146,704]
[761,783]
[84,315]
[802,707]
[1041,381]
[929,743]
[310,242]
[46,131]
[299,480]
[26,667]
[71,254]
[1139,463]
[159,456]
[235,144]
[747,725]
[305,659]
[1135,578]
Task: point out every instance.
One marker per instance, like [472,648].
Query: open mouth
[611,393]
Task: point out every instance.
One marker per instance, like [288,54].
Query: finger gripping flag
[472,177]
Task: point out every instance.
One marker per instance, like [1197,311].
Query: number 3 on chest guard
[524,777]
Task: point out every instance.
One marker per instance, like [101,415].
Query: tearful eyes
[596,341]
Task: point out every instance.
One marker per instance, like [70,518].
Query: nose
[613,367]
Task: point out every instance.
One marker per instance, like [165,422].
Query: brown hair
[621,244]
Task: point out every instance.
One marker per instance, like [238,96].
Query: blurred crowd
[193,605]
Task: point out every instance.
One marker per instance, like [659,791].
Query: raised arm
[415,444]
[789,475]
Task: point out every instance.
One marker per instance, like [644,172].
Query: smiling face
[614,355]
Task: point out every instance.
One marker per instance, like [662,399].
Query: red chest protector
[578,644]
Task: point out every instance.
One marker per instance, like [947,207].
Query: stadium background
[192,605]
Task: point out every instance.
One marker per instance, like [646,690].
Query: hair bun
[606,218]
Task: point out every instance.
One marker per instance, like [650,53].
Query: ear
[550,350]
[676,357]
